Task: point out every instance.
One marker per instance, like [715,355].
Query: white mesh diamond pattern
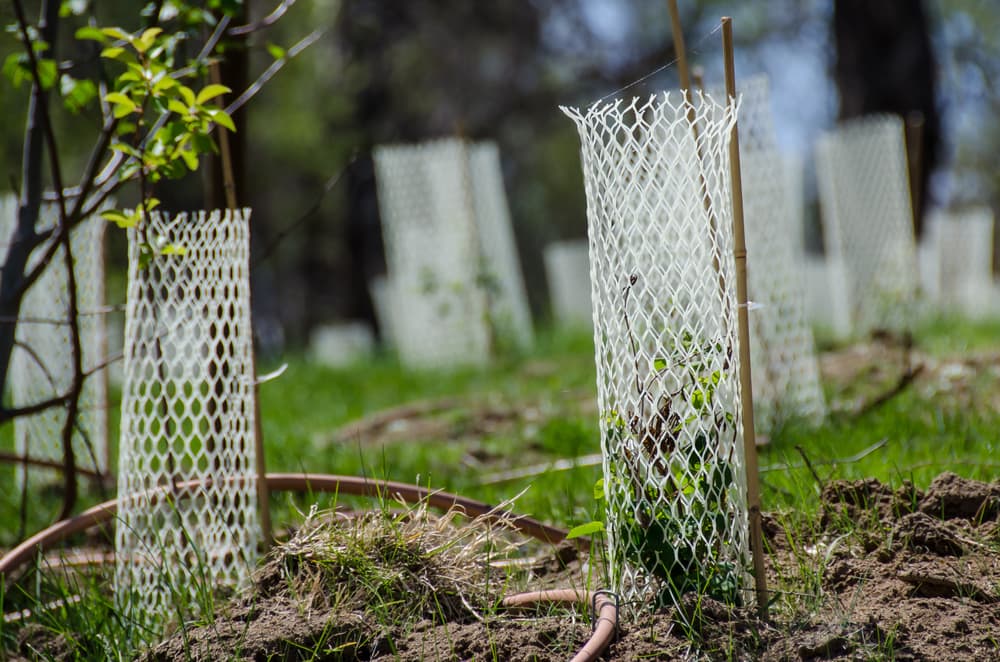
[501,269]
[962,244]
[432,254]
[41,364]
[187,413]
[785,371]
[660,230]
[867,219]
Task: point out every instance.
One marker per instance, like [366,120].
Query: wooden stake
[682,63]
[685,80]
[225,156]
[913,131]
[740,254]
[229,184]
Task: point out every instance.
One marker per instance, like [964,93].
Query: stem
[746,383]
[76,354]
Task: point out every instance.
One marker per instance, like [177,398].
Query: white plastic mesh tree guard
[660,228]
[41,364]
[567,268]
[501,269]
[786,381]
[432,254]
[962,245]
[187,413]
[868,221]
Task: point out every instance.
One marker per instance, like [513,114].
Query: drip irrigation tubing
[294,482]
[604,605]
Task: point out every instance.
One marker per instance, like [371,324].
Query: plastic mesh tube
[868,221]
[187,413]
[41,363]
[663,288]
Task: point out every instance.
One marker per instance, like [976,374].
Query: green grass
[301,410]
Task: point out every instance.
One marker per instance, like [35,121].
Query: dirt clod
[950,495]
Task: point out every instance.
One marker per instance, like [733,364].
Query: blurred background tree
[407,71]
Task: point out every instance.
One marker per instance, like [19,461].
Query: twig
[372,424]
[76,356]
[847,460]
[538,469]
[809,465]
[14,458]
[905,380]
[265,22]
[330,184]
[275,67]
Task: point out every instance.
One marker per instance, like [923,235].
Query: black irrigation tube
[604,606]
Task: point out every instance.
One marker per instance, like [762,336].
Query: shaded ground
[887,575]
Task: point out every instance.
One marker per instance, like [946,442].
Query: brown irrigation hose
[353,485]
[605,609]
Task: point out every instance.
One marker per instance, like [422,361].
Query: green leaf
[187,94]
[47,73]
[190,159]
[123,104]
[129,220]
[76,93]
[125,128]
[117,33]
[223,119]
[15,68]
[599,489]
[177,107]
[92,33]
[114,53]
[164,84]
[659,363]
[173,249]
[146,39]
[585,530]
[209,92]
[277,52]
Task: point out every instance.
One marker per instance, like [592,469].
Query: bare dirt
[888,574]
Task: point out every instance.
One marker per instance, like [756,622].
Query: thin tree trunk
[26,237]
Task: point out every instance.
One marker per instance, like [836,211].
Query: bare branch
[265,22]
[275,67]
[330,184]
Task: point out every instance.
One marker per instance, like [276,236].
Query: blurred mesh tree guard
[868,221]
[501,268]
[660,227]
[785,371]
[187,413]
[960,246]
[454,281]
[567,268]
[42,365]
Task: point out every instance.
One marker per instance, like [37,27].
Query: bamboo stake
[682,63]
[263,494]
[685,80]
[740,254]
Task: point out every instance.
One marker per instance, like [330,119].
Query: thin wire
[694,51]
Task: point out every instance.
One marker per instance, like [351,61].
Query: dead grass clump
[399,565]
